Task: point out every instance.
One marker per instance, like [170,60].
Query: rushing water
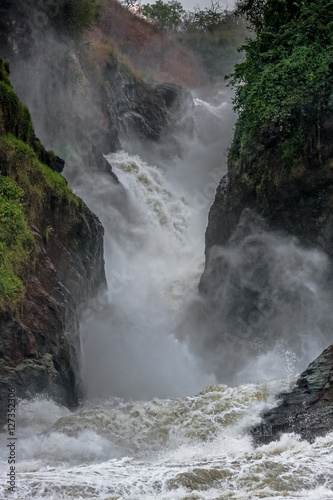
[157,424]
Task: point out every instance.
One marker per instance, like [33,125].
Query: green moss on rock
[31,193]
[16,242]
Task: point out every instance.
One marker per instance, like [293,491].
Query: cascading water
[124,442]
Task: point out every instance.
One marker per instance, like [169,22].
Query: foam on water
[192,448]
[148,430]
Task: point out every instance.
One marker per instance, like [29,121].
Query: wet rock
[307,410]
[40,343]
[58,164]
[63,272]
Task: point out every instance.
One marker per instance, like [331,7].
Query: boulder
[307,409]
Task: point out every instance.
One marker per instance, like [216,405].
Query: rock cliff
[279,173]
[308,409]
[52,264]
[83,98]
[81,93]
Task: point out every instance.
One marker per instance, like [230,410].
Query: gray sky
[190,4]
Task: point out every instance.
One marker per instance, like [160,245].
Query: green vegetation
[168,15]
[16,242]
[14,117]
[36,179]
[4,72]
[28,190]
[284,87]
[79,15]
[213,34]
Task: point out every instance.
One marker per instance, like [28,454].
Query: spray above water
[264,309]
[154,252]
[197,447]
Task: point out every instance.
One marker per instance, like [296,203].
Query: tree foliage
[286,81]
[168,15]
[215,35]
[209,19]
[79,15]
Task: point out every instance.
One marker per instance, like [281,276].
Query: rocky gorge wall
[274,206]
[81,94]
[51,264]
[83,98]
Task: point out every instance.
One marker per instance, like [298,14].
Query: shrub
[285,84]
[79,15]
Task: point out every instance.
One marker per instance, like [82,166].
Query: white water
[126,442]
[195,448]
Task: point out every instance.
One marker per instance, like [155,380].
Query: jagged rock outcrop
[39,342]
[140,111]
[280,168]
[307,410]
[51,262]
[81,96]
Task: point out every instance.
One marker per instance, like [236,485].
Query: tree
[168,15]
[79,15]
[209,19]
[285,84]
[133,5]
[214,35]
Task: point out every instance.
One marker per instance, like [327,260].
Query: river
[157,422]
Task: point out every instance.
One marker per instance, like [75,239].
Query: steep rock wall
[280,168]
[81,95]
[307,409]
[57,269]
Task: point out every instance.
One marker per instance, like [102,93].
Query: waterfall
[159,422]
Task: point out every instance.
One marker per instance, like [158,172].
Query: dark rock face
[297,201]
[268,298]
[40,344]
[141,111]
[58,164]
[256,295]
[308,409]
[80,108]
[62,267]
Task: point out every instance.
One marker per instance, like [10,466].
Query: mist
[153,334]
[263,311]
[265,306]
[154,222]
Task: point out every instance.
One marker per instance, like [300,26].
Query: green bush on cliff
[33,176]
[79,15]
[15,242]
[27,191]
[284,87]
[4,72]
[167,15]
[31,193]
[15,118]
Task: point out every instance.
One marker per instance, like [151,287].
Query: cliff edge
[51,250]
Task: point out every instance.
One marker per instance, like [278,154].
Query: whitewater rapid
[195,448]
[156,423]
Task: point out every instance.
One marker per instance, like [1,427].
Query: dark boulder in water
[307,410]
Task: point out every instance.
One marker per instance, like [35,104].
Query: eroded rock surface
[308,409]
